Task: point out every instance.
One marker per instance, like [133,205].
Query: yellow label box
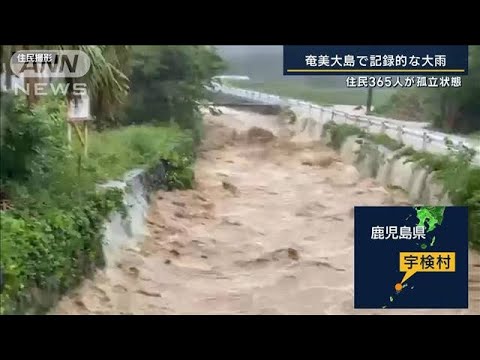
[425,261]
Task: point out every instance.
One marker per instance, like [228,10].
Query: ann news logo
[45,67]
[51,63]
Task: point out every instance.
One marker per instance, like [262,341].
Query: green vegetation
[339,132]
[52,210]
[107,79]
[369,149]
[44,255]
[460,178]
[315,94]
[448,109]
[405,104]
[167,84]
[112,153]
[51,233]
[384,140]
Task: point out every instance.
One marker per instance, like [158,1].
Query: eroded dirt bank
[268,230]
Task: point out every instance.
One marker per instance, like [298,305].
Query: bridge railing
[419,139]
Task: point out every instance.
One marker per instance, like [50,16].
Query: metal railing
[419,139]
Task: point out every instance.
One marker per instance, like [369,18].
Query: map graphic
[411,257]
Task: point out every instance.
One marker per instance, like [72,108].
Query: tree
[107,79]
[458,108]
[453,109]
[168,82]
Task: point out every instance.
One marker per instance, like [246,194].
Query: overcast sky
[259,62]
[249,50]
[264,63]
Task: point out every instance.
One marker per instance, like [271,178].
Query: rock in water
[293,254]
[230,187]
[214,111]
[321,160]
[256,134]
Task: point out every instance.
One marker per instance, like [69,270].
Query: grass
[321,96]
[339,132]
[385,140]
[112,153]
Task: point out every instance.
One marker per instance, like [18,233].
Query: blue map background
[377,261]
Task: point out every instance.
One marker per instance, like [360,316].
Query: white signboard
[79,110]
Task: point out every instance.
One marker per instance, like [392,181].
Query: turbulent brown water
[268,230]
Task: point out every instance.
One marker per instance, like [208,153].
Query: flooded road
[267,230]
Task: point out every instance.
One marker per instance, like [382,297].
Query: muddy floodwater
[267,230]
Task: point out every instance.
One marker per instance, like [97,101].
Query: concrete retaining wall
[392,170]
[421,186]
[373,160]
[378,162]
[124,232]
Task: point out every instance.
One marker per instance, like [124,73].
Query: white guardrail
[419,139]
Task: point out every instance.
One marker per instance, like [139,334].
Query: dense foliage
[51,233]
[53,212]
[107,79]
[450,109]
[168,82]
[44,255]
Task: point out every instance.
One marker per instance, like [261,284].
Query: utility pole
[369,100]
[170,110]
